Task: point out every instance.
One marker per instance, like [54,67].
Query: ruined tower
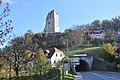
[52,22]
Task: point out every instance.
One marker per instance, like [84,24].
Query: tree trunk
[16,71]
[10,71]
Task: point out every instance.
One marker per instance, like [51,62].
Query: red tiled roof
[50,52]
[57,50]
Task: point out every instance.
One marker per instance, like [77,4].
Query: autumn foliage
[109,52]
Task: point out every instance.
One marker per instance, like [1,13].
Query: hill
[92,51]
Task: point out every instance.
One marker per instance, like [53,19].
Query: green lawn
[92,51]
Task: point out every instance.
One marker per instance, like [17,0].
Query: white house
[54,55]
[99,34]
[118,32]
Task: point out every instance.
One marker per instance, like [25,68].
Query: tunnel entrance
[83,66]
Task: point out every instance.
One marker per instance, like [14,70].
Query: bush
[34,77]
[54,72]
[109,52]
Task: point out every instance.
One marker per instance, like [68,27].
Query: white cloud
[9,1]
[26,3]
[23,2]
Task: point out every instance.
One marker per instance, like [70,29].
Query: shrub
[109,52]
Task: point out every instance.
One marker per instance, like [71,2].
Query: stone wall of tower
[52,22]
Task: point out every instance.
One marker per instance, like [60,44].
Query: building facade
[96,34]
[52,22]
[54,55]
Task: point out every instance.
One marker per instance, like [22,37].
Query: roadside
[78,76]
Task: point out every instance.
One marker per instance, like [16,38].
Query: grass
[69,76]
[92,51]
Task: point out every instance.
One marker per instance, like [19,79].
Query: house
[117,45]
[118,32]
[54,55]
[98,34]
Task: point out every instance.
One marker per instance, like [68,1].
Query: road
[94,75]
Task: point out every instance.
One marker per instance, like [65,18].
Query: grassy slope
[92,51]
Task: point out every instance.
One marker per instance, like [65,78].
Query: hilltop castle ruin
[52,22]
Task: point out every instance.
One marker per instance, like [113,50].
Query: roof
[117,45]
[96,32]
[57,50]
[79,55]
[51,51]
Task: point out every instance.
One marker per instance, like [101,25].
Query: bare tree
[5,25]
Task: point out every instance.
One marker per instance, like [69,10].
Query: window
[48,22]
[54,61]
[56,55]
[60,55]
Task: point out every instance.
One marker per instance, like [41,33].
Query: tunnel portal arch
[83,66]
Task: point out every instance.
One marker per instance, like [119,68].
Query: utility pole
[67,39]
[67,44]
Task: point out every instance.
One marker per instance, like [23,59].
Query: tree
[110,35]
[5,25]
[29,41]
[76,36]
[29,68]
[8,58]
[16,54]
[116,23]
[40,40]
[28,36]
[42,65]
[95,24]
[109,52]
[106,24]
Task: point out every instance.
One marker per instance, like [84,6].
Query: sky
[31,14]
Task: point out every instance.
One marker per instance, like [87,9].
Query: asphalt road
[94,75]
